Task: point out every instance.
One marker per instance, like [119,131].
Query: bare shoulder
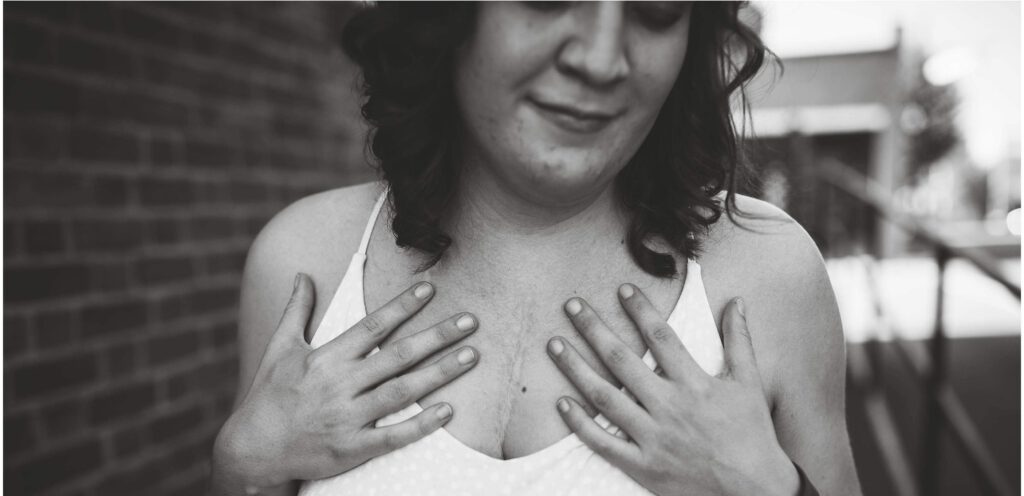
[316,235]
[768,259]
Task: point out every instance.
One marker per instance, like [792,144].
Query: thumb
[296,314]
[739,349]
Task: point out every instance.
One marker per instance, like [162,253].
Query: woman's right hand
[310,413]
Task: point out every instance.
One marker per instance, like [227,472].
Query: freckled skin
[518,52]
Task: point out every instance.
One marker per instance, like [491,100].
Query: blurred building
[836,107]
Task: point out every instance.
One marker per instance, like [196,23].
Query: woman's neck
[492,223]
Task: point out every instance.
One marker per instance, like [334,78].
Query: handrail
[943,407]
[870,193]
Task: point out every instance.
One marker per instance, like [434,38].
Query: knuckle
[424,427]
[404,351]
[393,439]
[447,368]
[617,355]
[398,392]
[661,333]
[600,398]
[373,324]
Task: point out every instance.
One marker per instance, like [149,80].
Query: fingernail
[465,323]
[573,307]
[466,356]
[739,307]
[298,277]
[423,290]
[556,347]
[563,405]
[444,411]
[626,291]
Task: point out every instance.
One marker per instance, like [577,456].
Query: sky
[979,43]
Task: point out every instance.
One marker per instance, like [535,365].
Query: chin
[565,181]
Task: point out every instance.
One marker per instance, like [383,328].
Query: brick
[173,307]
[63,418]
[185,457]
[108,276]
[54,328]
[163,349]
[118,235]
[211,227]
[44,282]
[113,318]
[164,151]
[164,269]
[247,192]
[86,56]
[144,27]
[129,441]
[120,360]
[176,424]
[111,191]
[12,239]
[19,434]
[50,11]
[164,231]
[32,141]
[99,145]
[60,465]
[125,401]
[15,334]
[224,335]
[25,188]
[206,153]
[53,375]
[178,385]
[135,480]
[44,237]
[98,17]
[231,262]
[34,94]
[149,109]
[155,191]
[209,300]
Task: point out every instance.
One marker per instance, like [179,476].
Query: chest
[505,406]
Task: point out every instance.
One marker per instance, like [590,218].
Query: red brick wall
[144,146]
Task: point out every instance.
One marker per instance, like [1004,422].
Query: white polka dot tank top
[440,464]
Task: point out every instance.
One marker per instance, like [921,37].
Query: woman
[536,157]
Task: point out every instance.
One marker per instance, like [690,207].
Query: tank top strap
[365,242]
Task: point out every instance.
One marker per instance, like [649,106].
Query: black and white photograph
[533,248]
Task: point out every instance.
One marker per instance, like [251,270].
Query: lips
[572,118]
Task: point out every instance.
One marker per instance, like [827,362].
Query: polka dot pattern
[440,464]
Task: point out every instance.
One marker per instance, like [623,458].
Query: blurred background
[145,144]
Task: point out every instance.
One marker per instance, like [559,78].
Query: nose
[595,51]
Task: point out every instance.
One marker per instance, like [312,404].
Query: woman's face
[556,98]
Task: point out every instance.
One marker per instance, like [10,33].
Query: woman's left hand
[691,433]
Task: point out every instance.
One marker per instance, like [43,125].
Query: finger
[400,392]
[408,351]
[673,357]
[618,451]
[739,349]
[628,367]
[604,397]
[372,329]
[383,440]
[295,319]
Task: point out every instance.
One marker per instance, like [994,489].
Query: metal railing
[944,412]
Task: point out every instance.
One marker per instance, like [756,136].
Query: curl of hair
[406,53]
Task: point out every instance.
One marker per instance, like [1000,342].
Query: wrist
[781,477]
[239,460]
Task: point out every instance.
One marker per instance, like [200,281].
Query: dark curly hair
[407,52]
